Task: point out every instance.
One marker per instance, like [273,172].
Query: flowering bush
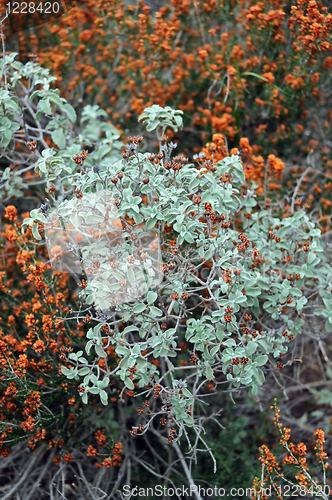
[225,256]
[306,482]
[238,281]
[256,70]
[36,402]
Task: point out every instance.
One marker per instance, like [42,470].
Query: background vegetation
[253,80]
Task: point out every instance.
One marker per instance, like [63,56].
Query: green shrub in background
[32,111]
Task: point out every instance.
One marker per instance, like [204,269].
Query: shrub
[258,70]
[294,463]
[194,211]
[37,404]
[241,279]
[32,112]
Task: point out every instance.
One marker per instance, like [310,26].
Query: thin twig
[31,463]
[186,470]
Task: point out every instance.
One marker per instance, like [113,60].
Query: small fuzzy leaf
[35,232]
[155,311]
[138,308]
[151,297]
[129,383]
[100,352]
[261,360]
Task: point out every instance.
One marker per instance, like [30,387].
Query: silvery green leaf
[254,292]
[214,350]
[127,315]
[105,382]
[103,304]
[131,361]
[100,351]
[151,222]
[300,303]
[94,390]
[91,334]
[137,349]
[152,125]
[6,137]
[129,383]
[88,346]
[59,138]
[251,348]
[209,373]
[131,275]
[44,107]
[138,308]
[70,112]
[180,239]
[264,344]
[229,343]
[35,232]
[130,328]
[151,297]
[259,375]
[186,392]
[155,311]
[178,121]
[83,371]
[261,360]
[90,299]
[103,394]
[188,237]
[72,374]
[65,370]
[124,363]
[122,350]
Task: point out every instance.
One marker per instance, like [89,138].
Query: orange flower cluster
[33,402]
[161,55]
[310,23]
[268,459]
[108,461]
[101,438]
[29,424]
[296,457]
[320,440]
[33,337]
[11,213]
[254,166]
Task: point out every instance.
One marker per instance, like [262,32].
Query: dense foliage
[256,71]
[149,280]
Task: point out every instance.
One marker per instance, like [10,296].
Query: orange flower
[269,77]
[107,462]
[92,452]
[39,346]
[28,425]
[11,213]
[68,458]
[101,438]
